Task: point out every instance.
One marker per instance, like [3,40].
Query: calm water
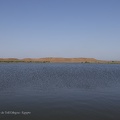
[59,91]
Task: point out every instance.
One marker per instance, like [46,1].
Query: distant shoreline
[58,60]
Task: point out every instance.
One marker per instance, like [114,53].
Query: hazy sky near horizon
[60,28]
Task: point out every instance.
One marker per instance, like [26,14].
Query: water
[54,91]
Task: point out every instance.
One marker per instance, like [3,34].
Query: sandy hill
[57,60]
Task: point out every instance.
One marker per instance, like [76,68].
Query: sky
[60,28]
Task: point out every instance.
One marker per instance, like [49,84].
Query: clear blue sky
[60,28]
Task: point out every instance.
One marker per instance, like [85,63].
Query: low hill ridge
[57,60]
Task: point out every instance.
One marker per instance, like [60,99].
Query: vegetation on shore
[57,60]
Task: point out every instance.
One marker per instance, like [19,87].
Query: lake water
[52,91]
